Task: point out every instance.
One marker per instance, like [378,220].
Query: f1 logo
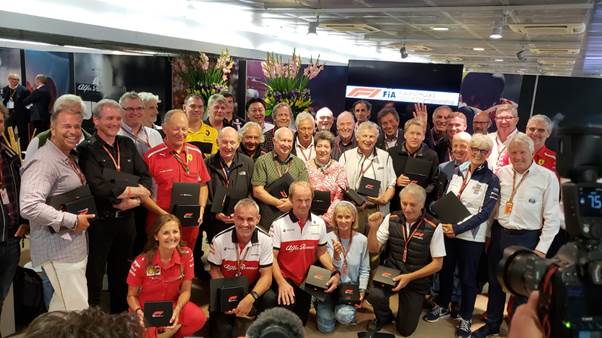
[362,91]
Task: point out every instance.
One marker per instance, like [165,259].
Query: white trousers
[69,283]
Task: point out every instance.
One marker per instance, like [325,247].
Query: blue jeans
[327,314]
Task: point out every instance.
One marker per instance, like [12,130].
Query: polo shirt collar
[254,237]
[276,158]
[175,259]
[298,143]
[295,219]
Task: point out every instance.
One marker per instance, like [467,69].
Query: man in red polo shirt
[243,249]
[176,161]
[539,128]
[298,238]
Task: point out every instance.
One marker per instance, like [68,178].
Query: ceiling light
[499,60]
[478,49]
[25,42]
[497,32]
[441,29]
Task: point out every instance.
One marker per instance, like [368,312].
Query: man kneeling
[415,246]
[244,250]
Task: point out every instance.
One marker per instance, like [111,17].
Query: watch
[254,294]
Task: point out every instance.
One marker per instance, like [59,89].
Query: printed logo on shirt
[299,247]
[418,235]
[242,173]
[153,271]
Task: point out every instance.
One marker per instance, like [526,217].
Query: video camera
[570,283]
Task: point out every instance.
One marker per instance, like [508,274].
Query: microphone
[276,323]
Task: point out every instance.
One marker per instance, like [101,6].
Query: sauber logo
[297,247]
[361,91]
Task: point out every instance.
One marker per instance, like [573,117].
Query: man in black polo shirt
[415,247]
[112,233]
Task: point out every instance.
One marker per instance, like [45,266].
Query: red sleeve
[188,263]
[136,274]
[203,173]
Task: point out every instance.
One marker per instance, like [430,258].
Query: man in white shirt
[304,141]
[528,216]
[415,246]
[506,119]
[133,117]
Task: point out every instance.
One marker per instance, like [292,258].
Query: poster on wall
[54,65]
[10,63]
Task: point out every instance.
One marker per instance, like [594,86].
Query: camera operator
[528,216]
[525,323]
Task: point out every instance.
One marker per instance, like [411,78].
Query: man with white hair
[437,132]
[271,167]
[325,119]
[506,119]
[18,115]
[150,102]
[528,216]
[345,139]
[216,106]
[539,128]
[304,142]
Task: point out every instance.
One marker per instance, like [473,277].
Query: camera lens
[520,270]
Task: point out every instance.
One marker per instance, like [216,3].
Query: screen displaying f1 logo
[402,95]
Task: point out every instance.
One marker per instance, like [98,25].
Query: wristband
[254,294]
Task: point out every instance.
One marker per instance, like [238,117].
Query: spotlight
[497,32]
[521,55]
[403,52]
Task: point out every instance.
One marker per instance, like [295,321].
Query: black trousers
[302,301]
[408,314]
[110,246]
[465,255]
[222,325]
[500,240]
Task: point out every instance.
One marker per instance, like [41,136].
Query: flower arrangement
[287,83]
[202,77]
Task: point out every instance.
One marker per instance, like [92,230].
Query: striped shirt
[269,168]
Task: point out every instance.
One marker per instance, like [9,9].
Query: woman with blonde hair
[349,250]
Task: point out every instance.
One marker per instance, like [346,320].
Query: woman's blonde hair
[341,207]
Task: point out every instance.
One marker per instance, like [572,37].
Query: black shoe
[484,331]
[454,310]
[376,325]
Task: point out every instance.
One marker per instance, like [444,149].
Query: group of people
[267,225]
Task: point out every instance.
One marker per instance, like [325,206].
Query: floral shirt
[331,178]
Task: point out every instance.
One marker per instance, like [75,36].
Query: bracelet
[254,294]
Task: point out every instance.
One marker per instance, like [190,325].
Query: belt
[517,232]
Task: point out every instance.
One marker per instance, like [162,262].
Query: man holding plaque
[58,237]
[175,161]
[242,250]
[230,173]
[413,161]
[528,215]
[119,181]
[273,174]
[415,247]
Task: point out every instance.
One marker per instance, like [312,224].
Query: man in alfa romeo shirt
[298,238]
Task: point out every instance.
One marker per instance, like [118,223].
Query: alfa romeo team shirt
[297,244]
[226,253]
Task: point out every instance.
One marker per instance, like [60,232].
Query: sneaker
[484,331]
[436,313]
[463,329]
[375,325]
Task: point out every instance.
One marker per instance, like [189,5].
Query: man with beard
[481,123]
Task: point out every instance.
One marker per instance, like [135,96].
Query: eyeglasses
[133,109]
[505,118]
[478,150]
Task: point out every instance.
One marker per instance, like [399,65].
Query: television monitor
[429,83]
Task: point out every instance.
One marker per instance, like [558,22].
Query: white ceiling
[249,28]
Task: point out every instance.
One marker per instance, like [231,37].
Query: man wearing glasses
[506,119]
[133,117]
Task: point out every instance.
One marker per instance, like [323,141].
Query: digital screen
[404,82]
[590,201]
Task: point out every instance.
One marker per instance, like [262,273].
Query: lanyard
[225,172]
[362,170]
[75,167]
[515,188]
[345,252]
[116,163]
[278,165]
[138,138]
[465,181]
[179,159]
[306,158]
[408,235]
[501,147]
[239,260]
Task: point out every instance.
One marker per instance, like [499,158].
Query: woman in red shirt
[164,272]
